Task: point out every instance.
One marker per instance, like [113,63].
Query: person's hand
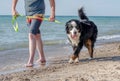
[52,18]
[15,13]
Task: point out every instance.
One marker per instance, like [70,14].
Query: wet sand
[104,67]
[14,60]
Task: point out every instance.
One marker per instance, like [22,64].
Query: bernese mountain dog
[81,32]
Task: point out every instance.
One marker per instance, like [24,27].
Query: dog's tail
[82,15]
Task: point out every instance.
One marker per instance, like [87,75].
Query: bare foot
[41,61]
[28,65]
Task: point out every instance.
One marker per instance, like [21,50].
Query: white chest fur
[74,41]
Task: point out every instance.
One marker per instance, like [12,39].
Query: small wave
[108,37]
[54,42]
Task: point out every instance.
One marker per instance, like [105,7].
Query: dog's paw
[71,61]
[90,58]
[76,60]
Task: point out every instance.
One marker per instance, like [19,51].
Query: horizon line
[76,15]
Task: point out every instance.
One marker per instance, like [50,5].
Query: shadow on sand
[112,58]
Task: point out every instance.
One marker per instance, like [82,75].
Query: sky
[70,7]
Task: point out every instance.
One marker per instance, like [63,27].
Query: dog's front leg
[75,56]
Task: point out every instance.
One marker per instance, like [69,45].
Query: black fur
[88,31]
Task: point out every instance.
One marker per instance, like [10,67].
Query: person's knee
[32,36]
[37,37]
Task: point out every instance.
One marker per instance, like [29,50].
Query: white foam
[108,37]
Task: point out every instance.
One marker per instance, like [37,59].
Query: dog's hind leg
[89,45]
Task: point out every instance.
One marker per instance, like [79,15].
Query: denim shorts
[34,25]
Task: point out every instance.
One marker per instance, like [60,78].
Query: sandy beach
[104,67]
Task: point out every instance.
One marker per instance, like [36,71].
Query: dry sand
[104,67]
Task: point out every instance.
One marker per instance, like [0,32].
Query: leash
[16,26]
[45,19]
[14,23]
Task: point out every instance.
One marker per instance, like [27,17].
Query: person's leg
[35,41]
[32,47]
[32,41]
[39,46]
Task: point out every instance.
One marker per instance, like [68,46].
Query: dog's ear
[67,26]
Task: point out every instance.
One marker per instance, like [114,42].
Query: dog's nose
[75,33]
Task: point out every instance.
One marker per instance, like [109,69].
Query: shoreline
[15,60]
[105,66]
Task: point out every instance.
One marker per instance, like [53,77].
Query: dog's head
[73,29]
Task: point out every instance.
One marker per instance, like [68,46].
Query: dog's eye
[70,27]
[77,27]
